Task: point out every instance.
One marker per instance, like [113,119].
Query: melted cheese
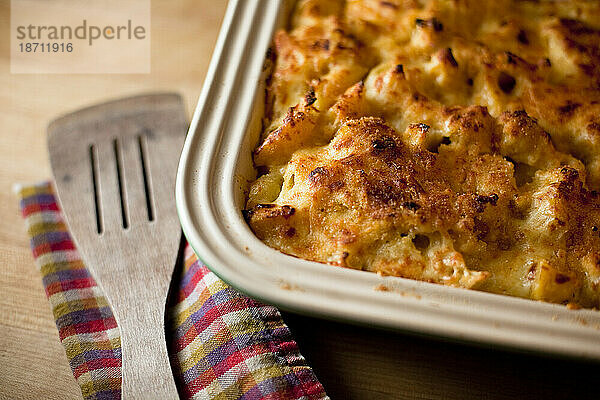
[455,142]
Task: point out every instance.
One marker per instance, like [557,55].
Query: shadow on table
[362,363]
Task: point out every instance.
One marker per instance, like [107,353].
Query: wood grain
[351,362]
[114,167]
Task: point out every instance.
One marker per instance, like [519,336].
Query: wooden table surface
[351,362]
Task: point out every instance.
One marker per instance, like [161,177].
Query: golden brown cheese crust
[456,142]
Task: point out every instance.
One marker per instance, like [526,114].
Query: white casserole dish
[215,170]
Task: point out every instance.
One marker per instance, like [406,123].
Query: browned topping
[290,232]
[569,108]
[322,44]
[271,212]
[448,57]
[287,211]
[576,27]
[481,201]
[389,4]
[480,228]
[382,194]
[506,82]
[522,37]
[411,205]
[532,271]
[315,173]
[421,242]
[503,244]
[511,58]
[432,22]
[336,185]
[560,278]
[457,154]
[423,128]
[588,69]
[594,127]
[383,143]
[310,98]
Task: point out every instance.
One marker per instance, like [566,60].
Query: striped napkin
[223,344]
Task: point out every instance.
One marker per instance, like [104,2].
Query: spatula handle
[146,369]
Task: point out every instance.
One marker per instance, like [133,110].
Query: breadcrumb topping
[454,142]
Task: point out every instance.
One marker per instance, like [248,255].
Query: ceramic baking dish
[214,173]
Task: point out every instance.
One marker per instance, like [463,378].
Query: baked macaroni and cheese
[454,142]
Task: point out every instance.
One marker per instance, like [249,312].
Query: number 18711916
[36,47]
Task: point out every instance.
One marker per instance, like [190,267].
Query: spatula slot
[146,175]
[122,193]
[94,169]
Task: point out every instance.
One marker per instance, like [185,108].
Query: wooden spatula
[114,166]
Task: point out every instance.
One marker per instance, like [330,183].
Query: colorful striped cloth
[223,344]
